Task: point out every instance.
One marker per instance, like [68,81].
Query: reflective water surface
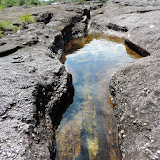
[88,128]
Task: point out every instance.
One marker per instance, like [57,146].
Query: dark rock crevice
[44,17]
[136,48]
[49,109]
[10,50]
[116,27]
[78,27]
[144,11]
[53,99]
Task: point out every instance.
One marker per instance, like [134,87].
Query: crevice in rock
[45,17]
[52,100]
[50,107]
[70,32]
[137,49]
[9,51]
[144,11]
[116,27]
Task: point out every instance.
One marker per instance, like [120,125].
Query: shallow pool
[88,128]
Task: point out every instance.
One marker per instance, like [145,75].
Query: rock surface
[135,89]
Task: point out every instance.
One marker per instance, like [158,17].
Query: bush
[7,3]
[1,7]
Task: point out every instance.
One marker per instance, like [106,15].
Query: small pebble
[132,116]
[124,136]
[4,117]
[147,144]
[122,131]
[144,124]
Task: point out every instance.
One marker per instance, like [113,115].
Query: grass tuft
[1,7]
[1,34]
[7,25]
[26,18]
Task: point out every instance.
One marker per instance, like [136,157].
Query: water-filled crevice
[90,119]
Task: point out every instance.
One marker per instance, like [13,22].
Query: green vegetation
[1,34]
[26,18]
[10,3]
[103,1]
[7,25]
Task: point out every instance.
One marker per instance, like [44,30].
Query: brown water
[88,128]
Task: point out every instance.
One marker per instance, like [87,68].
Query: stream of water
[88,128]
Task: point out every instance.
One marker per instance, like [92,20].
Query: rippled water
[88,127]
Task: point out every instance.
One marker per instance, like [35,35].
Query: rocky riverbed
[36,89]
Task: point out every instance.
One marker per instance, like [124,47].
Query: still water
[88,129]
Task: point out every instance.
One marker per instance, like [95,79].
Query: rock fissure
[49,107]
[10,50]
[144,11]
[136,48]
[117,28]
[71,32]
